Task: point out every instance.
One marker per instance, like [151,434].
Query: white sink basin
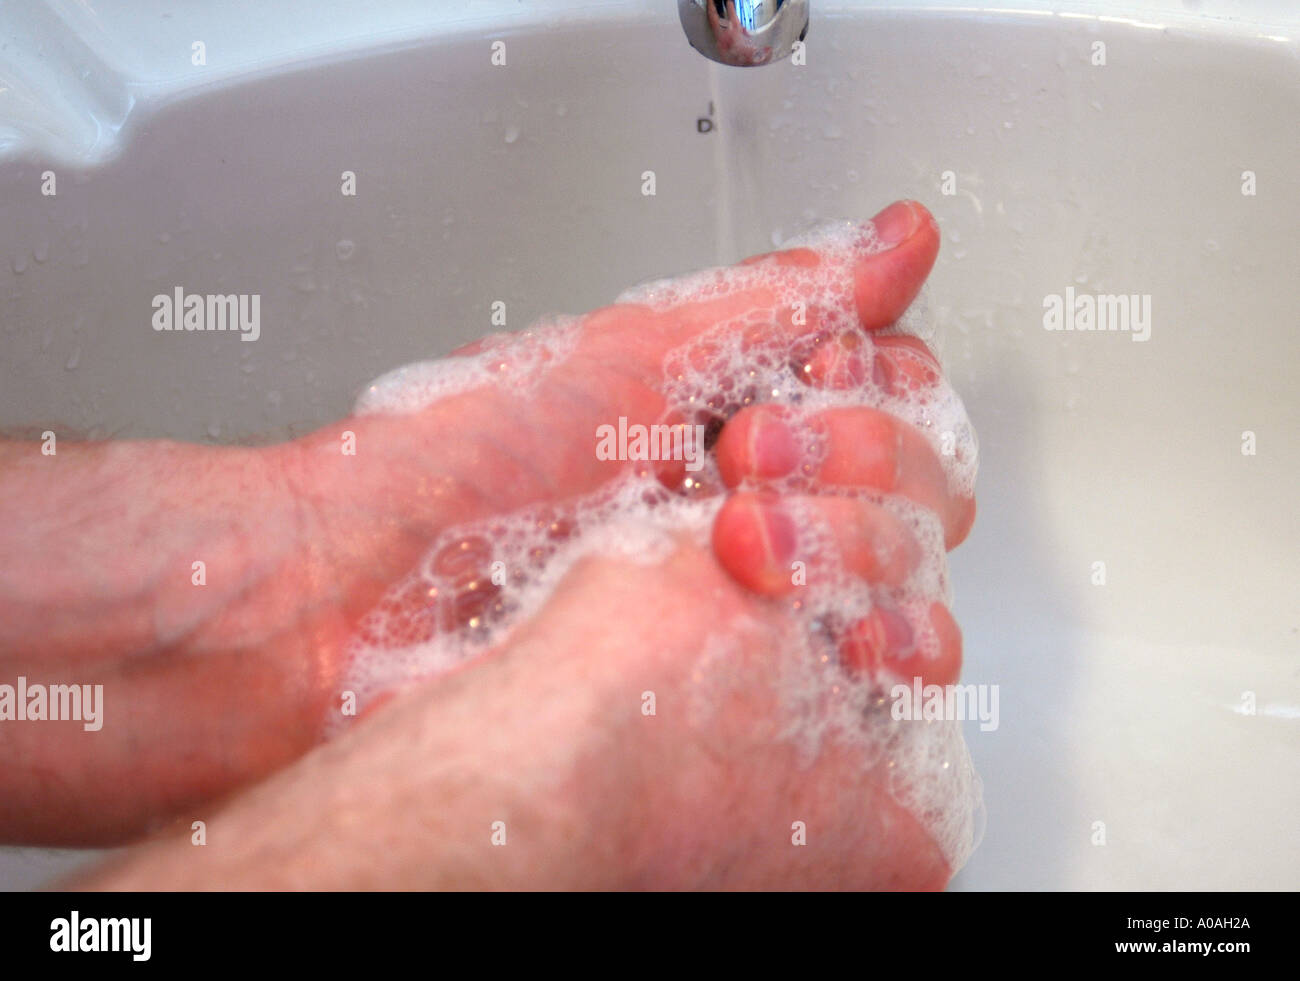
[1121,703]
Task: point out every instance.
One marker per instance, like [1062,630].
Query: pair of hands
[210,689]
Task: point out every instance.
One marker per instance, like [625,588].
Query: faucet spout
[744,32]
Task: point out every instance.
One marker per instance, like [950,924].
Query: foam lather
[412,635]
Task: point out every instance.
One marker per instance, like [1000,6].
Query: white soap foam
[478,581]
[518,360]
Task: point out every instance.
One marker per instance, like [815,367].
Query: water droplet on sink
[20,264]
[42,252]
[74,359]
[512,133]
[345,248]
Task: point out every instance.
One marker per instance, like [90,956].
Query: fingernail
[895,224]
[883,371]
[898,632]
[773,449]
[779,530]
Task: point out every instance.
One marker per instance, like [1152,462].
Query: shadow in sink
[1006,597]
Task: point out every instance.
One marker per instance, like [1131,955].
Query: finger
[898,364]
[884,282]
[840,361]
[856,447]
[916,641]
[904,364]
[757,539]
[683,473]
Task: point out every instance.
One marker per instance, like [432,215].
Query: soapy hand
[216,689]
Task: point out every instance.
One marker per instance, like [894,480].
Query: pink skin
[209,691]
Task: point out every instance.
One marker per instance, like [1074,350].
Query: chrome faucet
[744,32]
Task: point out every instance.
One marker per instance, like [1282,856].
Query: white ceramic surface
[1119,703]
